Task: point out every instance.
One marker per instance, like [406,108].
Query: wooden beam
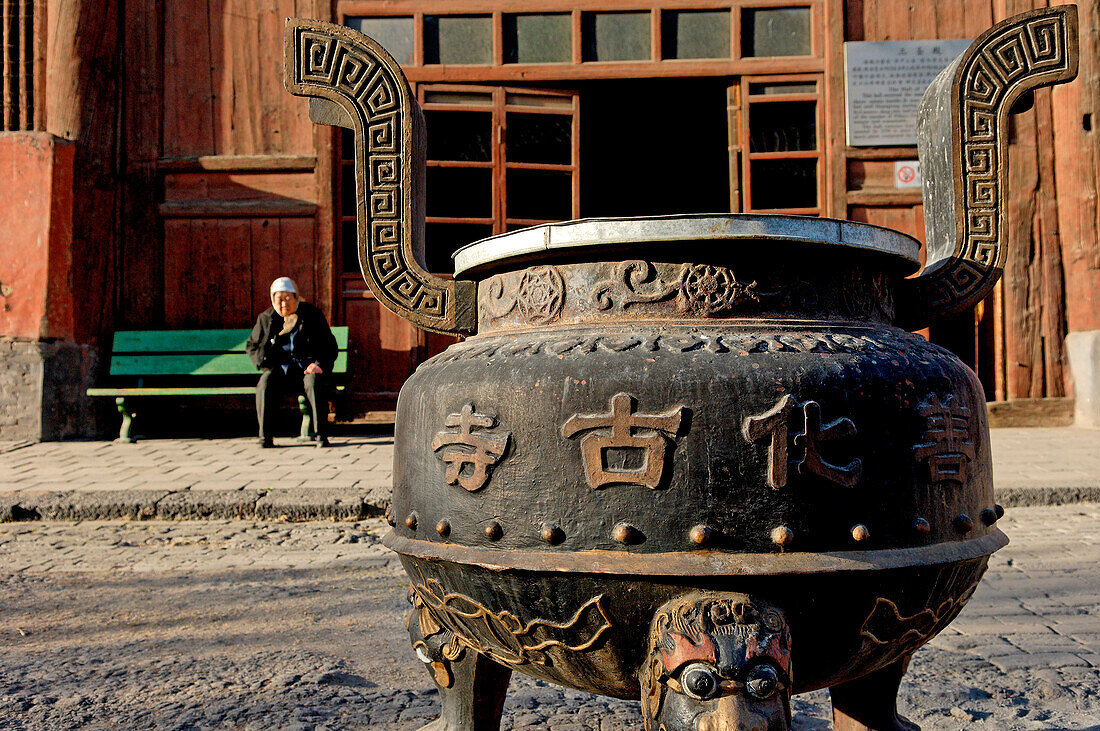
[881,153]
[524,73]
[884,197]
[237,209]
[237,163]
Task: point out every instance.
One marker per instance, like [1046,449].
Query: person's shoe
[322,442]
[266,442]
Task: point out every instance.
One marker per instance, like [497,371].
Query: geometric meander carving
[1037,50]
[352,71]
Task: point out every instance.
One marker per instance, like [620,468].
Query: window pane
[538,38]
[347,144]
[545,195]
[460,192]
[545,138]
[538,100]
[465,136]
[782,127]
[349,247]
[393,34]
[458,39]
[616,36]
[465,98]
[783,87]
[441,240]
[775,32]
[784,183]
[695,33]
[347,190]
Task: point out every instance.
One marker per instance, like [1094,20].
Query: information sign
[884,83]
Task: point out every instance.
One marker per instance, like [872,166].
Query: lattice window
[17,64]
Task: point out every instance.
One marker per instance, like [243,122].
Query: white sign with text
[884,83]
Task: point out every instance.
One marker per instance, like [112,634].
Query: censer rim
[610,232]
[699,563]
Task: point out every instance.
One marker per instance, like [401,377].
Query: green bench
[193,363]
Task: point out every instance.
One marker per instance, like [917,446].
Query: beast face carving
[717,662]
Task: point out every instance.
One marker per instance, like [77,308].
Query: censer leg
[471,686]
[475,699]
[870,703]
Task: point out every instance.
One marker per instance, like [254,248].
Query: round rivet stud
[552,534]
[443,528]
[494,530]
[782,536]
[989,516]
[999,510]
[627,534]
[389,517]
[922,526]
[963,523]
[860,533]
[411,520]
[701,535]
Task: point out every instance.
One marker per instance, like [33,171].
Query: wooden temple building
[156,175]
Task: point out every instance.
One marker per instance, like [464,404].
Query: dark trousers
[274,384]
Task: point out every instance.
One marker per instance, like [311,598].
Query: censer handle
[355,84]
[962,133]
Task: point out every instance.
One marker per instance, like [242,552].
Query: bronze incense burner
[694,460]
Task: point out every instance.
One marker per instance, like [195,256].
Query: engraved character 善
[468,456]
[610,459]
[948,446]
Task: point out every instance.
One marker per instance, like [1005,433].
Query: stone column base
[43,390]
[1083,349]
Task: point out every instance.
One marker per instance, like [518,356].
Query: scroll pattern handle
[356,84]
[963,147]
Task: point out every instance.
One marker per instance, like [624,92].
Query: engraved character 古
[644,435]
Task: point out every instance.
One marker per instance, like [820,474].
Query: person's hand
[313,368]
[289,323]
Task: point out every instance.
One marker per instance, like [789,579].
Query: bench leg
[127,421]
[306,434]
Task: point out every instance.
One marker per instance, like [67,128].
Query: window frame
[818,153]
[577,68]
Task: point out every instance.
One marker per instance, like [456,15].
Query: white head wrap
[283,284]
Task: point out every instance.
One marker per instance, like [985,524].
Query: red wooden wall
[1053,164]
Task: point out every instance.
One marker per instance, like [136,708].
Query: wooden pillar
[140,268]
[1034,293]
[1077,170]
[83,104]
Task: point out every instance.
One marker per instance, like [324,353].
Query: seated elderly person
[294,347]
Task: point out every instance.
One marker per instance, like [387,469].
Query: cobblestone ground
[248,625]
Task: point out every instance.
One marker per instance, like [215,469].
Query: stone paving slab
[218,478]
[181,479]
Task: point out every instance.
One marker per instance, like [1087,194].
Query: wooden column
[141,244]
[1076,117]
[83,104]
[1034,294]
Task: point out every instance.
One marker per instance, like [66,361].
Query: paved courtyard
[270,625]
[233,478]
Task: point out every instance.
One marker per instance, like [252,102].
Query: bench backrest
[195,353]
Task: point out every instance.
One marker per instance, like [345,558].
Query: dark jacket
[313,342]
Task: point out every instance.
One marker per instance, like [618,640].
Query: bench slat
[195,341]
[180,391]
[195,364]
